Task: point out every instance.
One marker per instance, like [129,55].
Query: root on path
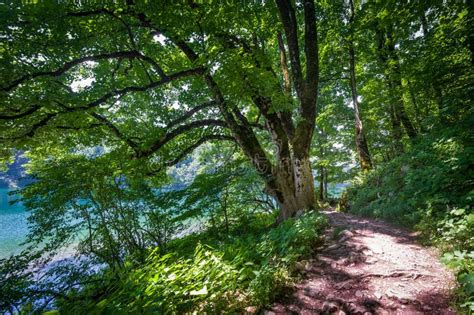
[370,267]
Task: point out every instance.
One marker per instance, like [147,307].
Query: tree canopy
[138,117]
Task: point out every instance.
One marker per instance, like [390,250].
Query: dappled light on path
[369,267]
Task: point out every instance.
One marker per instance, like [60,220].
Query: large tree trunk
[304,183]
[293,188]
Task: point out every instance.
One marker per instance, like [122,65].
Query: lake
[13,221]
[13,225]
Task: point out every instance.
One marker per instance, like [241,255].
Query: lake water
[13,225]
[13,222]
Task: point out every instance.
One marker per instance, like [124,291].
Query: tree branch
[32,130]
[311,47]
[191,148]
[117,132]
[158,144]
[68,65]
[288,18]
[121,92]
[189,114]
[103,99]
[242,133]
[283,65]
[33,109]
[197,144]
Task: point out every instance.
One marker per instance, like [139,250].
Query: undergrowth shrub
[217,275]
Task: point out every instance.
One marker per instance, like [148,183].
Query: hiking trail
[368,266]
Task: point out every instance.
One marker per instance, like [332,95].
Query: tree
[361,141]
[159,88]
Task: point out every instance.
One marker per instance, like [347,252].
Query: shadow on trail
[400,234]
[368,267]
[328,288]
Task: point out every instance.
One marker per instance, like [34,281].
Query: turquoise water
[14,228]
[13,225]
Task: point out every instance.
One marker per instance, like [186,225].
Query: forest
[238,157]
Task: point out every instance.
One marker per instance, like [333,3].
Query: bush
[226,277]
[463,263]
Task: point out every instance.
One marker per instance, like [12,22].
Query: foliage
[463,263]
[116,106]
[89,201]
[215,276]
[442,162]
[220,194]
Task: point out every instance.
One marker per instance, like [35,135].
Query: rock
[359,293]
[404,301]
[426,308]
[330,307]
[293,308]
[333,247]
[345,235]
[251,310]
[370,303]
[390,293]
[371,260]
[303,265]
[330,296]
[352,308]
[378,295]
[377,250]
[367,252]
[344,286]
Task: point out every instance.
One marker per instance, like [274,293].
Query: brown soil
[369,267]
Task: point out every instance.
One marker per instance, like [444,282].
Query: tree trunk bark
[388,57]
[396,131]
[415,106]
[395,76]
[321,183]
[224,208]
[293,188]
[325,184]
[361,142]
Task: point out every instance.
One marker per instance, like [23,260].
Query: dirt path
[369,267]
